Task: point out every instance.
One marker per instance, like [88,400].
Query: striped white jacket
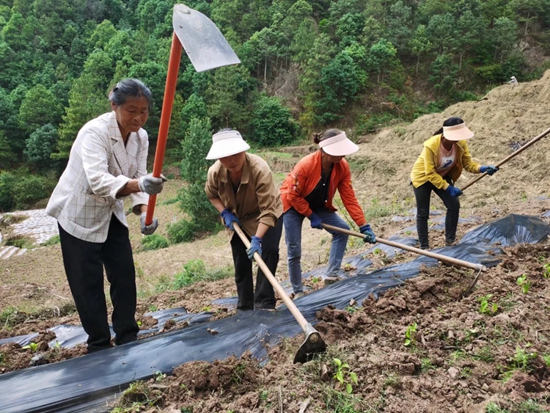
[99,166]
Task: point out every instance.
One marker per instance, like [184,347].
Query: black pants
[84,262]
[264,296]
[422,195]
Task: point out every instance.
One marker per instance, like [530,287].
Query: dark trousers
[264,296]
[84,262]
[422,195]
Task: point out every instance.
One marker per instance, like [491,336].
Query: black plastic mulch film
[88,383]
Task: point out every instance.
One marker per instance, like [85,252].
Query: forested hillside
[306,65]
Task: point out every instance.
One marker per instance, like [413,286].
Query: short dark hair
[329,133]
[129,88]
[452,121]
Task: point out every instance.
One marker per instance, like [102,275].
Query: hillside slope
[505,117]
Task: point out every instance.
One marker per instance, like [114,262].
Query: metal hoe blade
[313,344]
[202,40]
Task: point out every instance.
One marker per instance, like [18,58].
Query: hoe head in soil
[313,344]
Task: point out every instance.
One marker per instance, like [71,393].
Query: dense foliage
[306,65]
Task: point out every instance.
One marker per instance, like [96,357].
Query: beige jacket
[257,199]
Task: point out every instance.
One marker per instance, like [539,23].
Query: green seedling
[31,346]
[315,280]
[485,306]
[524,283]
[159,376]
[410,335]
[351,309]
[546,270]
[522,358]
[344,375]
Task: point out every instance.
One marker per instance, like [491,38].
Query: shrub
[7,182]
[153,242]
[272,123]
[27,190]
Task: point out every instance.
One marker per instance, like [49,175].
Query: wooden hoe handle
[439,257]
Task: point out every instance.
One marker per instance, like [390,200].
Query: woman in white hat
[308,192]
[240,186]
[440,164]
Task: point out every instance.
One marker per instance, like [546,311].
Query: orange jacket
[304,178]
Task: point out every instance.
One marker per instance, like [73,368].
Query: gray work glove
[148,229]
[150,184]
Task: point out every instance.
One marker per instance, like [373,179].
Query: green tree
[227,98]
[272,123]
[443,73]
[503,34]
[40,145]
[340,81]
[201,215]
[420,44]
[39,107]
[194,108]
[381,58]
[400,20]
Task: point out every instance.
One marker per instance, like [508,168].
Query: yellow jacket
[424,168]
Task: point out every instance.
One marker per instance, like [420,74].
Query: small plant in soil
[546,270]
[485,306]
[31,346]
[344,376]
[410,335]
[427,365]
[522,359]
[524,283]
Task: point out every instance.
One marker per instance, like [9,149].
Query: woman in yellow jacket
[440,164]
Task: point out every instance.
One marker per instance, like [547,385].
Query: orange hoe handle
[169,92]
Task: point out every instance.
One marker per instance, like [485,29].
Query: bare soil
[487,352]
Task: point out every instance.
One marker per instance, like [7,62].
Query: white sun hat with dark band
[458,132]
[338,145]
[227,143]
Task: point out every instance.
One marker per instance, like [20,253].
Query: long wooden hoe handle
[282,293]
[439,257]
[520,150]
[169,92]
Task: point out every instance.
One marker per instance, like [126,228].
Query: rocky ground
[423,347]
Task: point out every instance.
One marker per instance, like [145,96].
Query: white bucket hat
[338,145]
[227,143]
[458,132]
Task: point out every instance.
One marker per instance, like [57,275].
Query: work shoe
[297,295]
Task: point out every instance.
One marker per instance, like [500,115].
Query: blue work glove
[453,191]
[255,246]
[229,218]
[148,229]
[315,221]
[150,184]
[366,230]
[489,169]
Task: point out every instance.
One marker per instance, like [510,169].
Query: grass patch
[19,241]
[52,241]
[193,271]
[153,242]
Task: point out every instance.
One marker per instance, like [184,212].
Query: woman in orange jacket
[308,192]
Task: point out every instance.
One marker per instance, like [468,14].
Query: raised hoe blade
[202,40]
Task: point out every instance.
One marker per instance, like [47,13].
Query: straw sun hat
[226,143]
